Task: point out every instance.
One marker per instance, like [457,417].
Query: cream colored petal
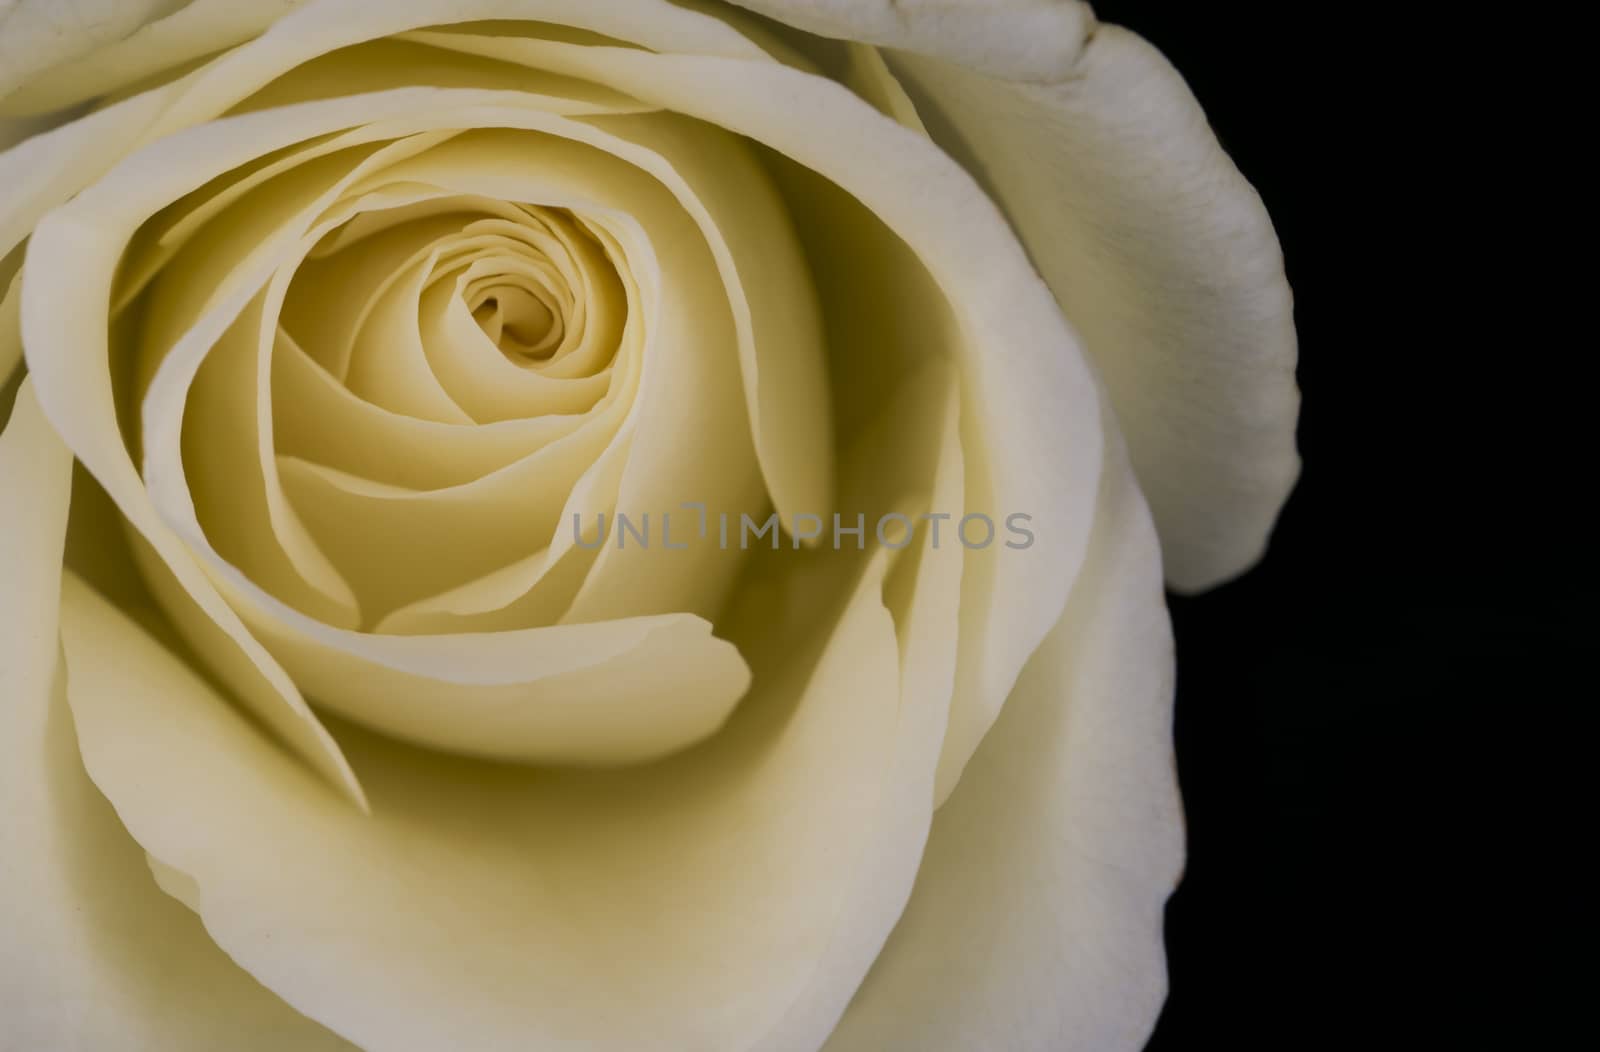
[94,956]
[1029,39]
[608,693]
[599,694]
[780,336]
[67,352]
[536,590]
[483,906]
[231,482]
[1036,923]
[605,693]
[263,248]
[225,474]
[194,29]
[37,35]
[468,359]
[380,65]
[389,366]
[782,366]
[369,441]
[443,538]
[757,873]
[48,168]
[237,519]
[414,454]
[321,26]
[689,445]
[1166,263]
[614,692]
[52,167]
[474,370]
[732,876]
[222,357]
[868,74]
[454,534]
[918,438]
[386,447]
[345,273]
[422,688]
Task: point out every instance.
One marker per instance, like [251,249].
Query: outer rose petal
[93,955]
[38,34]
[480,907]
[1036,922]
[155,35]
[1165,261]
[1028,39]
[1158,250]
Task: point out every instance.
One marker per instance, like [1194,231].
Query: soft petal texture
[44,170]
[75,390]
[94,956]
[1166,263]
[1032,39]
[192,29]
[1036,923]
[51,168]
[921,440]
[733,896]
[38,34]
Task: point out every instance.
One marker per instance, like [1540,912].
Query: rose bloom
[324,322]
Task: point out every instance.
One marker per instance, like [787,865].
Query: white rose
[346,310]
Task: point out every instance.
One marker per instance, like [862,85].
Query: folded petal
[921,429]
[482,906]
[94,955]
[72,374]
[1036,923]
[1165,262]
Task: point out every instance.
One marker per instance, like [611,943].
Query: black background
[1384,733]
